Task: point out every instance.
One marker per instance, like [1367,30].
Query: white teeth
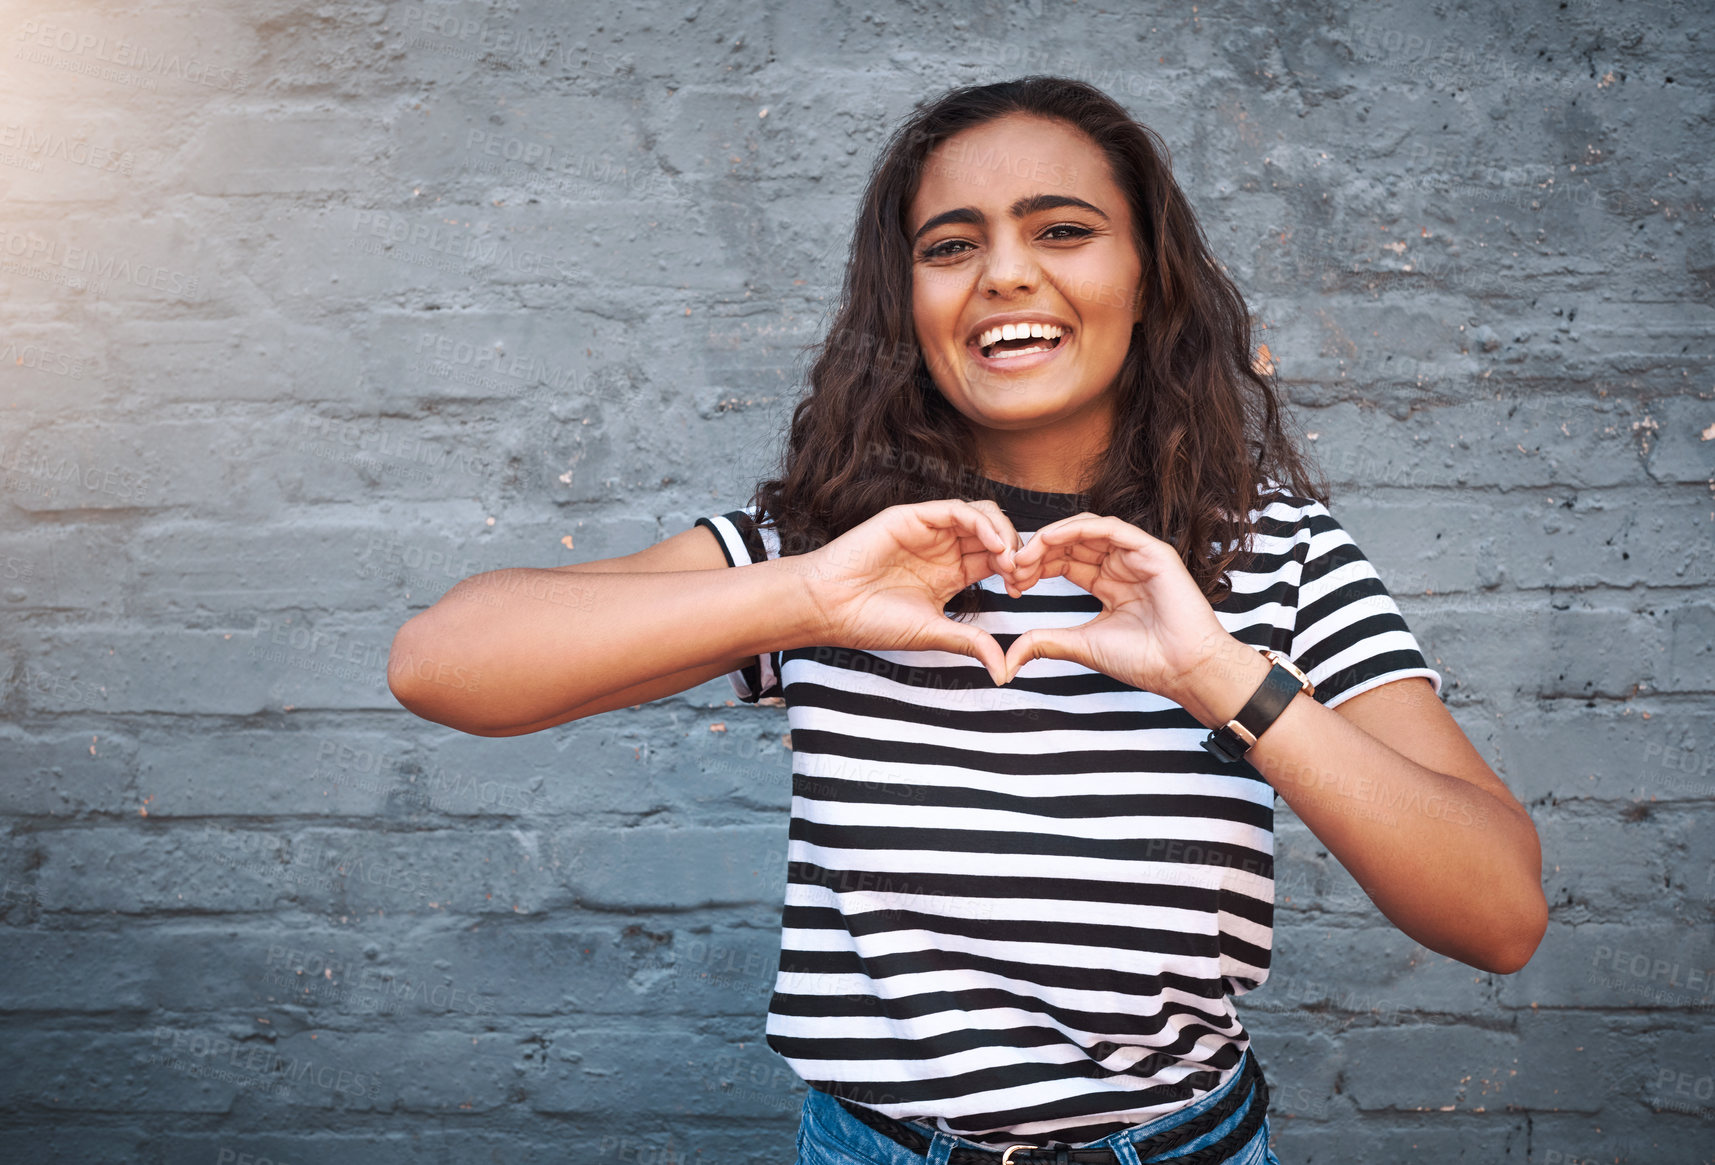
[1020,332]
[1020,352]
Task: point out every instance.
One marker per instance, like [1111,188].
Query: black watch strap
[1262,710]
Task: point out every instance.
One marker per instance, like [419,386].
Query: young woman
[1037,534]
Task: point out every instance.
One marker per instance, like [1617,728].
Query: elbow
[404,676]
[436,684]
[1522,926]
[1518,943]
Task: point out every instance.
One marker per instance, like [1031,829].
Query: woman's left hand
[1156,628]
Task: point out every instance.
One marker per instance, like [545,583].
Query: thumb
[1044,643]
[963,639]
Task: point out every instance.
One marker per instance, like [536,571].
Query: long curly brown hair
[1198,429]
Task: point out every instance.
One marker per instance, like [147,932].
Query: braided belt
[1249,1085]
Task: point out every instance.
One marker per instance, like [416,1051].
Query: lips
[1001,362]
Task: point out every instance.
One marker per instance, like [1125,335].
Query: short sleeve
[744,543]
[1348,634]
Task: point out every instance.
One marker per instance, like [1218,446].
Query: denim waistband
[1125,1144]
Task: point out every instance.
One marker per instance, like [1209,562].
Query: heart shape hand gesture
[884,583]
[1156,627]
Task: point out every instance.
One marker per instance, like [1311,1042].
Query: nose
[1011,269]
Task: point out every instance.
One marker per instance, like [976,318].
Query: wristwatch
[1284,681]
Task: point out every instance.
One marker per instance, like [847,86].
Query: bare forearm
[1451,864]
[541,643]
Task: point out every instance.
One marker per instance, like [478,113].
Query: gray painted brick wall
[310,310]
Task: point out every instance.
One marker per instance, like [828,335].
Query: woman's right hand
[883,585]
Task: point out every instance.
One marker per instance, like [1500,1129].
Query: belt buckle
[1006,1157]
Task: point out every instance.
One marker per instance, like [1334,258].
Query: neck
[1062,459]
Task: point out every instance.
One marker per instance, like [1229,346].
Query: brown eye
[939,250]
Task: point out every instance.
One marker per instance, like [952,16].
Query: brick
[516,358]
[1483,442]
[1474,1139]
[203,360]
[1607,863]
[1652,966]
[548,146]
[336,664]
[1382,977]
[46,1145]
[1452,546]
[49,367]
[108,259]
[1448,1069]
[683,1074]
[1680,451]
[56,569]
[1691,667]
[682,869]
[326,871]
[1603,754]
[65,775]
[1576,649]
[303,153]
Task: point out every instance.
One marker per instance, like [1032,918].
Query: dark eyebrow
[1028,205]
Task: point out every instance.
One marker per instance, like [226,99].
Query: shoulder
[1281,520]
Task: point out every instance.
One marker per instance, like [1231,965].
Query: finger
[1044,643]
[1008,531]
[979,564]
[964,639]
[1036,562]
[970,517]
[986,517]
[1060,522]
[1092,530]
[959,518]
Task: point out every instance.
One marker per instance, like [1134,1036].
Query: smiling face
[1019,222]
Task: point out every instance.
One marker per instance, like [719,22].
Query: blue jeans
[829,1135]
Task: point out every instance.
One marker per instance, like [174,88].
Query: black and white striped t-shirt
[1017,914]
